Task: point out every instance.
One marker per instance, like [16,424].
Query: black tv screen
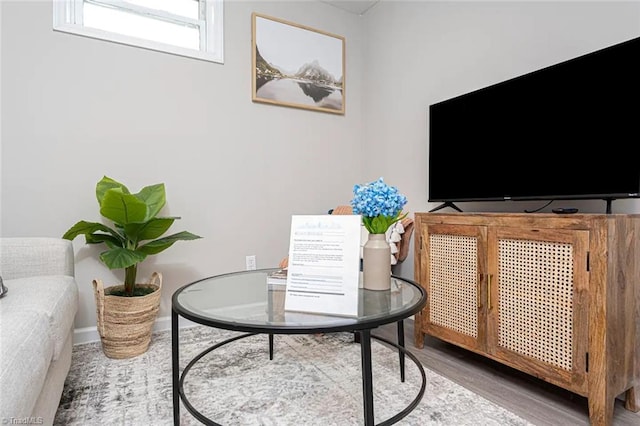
[567,131]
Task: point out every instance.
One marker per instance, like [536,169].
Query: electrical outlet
[251,262]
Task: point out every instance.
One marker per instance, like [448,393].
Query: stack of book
[277,280]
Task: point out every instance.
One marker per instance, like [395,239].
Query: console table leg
[632,400]
[270,346]
[175,367]
[367,378]
[418,334]
[601,410]
[401,343]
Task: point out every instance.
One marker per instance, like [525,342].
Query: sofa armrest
[22,257]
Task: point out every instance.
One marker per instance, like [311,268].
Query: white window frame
[67,17]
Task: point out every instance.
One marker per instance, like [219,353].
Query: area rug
[312,380]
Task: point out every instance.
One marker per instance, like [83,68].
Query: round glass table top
[243,301]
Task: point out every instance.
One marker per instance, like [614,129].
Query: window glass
[134,25]
[192,28]
[186,8]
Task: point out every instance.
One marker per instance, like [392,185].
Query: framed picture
[297,66]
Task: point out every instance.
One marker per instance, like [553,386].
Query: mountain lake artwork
[297,66]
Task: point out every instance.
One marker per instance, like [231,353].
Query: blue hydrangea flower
[379,204]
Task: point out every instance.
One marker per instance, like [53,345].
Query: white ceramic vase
[376,263]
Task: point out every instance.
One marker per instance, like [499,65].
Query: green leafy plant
[136,230]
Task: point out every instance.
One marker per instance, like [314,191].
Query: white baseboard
[90,334]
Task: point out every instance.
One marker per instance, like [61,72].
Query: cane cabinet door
[537,302]
[452,274]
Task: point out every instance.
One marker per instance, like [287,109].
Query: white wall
[75,109]
[422,52]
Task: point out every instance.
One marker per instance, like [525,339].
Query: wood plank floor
[538,402]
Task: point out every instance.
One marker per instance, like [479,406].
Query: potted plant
[380,206]
[126,312]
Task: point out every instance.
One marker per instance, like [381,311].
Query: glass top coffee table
[242,301]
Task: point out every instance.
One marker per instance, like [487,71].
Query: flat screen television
[567,131]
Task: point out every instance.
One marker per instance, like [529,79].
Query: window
[191,28]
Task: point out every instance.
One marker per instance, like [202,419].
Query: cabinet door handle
[489,291]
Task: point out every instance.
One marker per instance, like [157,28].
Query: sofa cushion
[26,353]
[27,257]
[54,295]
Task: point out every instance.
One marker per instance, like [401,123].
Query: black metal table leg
[175,366]
[401,343]
[367,377]
[271,346]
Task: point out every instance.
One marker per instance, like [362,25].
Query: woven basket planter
[125,323]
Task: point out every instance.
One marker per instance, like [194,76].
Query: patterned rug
[312,380]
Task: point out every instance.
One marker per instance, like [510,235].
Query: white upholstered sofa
[36,326]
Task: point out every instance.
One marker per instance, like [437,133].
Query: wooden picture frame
[297,66]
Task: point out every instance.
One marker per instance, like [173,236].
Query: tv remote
[568,210]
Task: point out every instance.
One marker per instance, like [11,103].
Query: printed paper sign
[324,264]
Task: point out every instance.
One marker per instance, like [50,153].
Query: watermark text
[22,421]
